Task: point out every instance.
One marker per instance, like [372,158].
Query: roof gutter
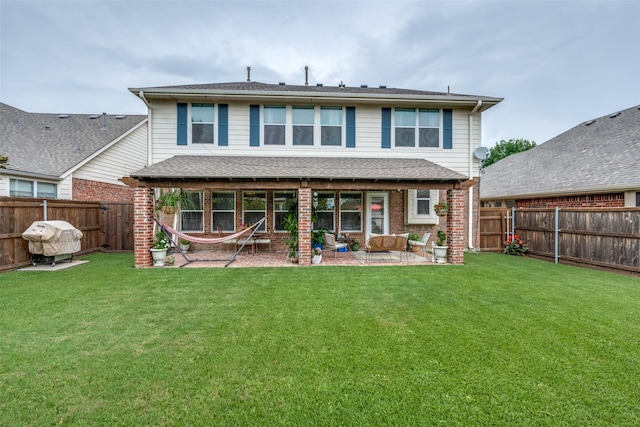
[149,126]
[474,111]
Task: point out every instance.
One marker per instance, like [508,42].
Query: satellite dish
[481,153]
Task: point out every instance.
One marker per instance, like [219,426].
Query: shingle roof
[51,144]
[337,168]
[596,156]
[265,89]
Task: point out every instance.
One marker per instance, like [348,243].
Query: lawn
[499,341]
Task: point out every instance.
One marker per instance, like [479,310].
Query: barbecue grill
[52,241]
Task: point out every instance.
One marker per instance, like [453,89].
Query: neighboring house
[595,164]
[70,156]
[370,159]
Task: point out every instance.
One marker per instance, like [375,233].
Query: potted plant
[159,249]
[170,201]
[316,258]
[355,245]
[291,225]
[441,208]
[411,238]
[317,238]
[184,245]
[440,249]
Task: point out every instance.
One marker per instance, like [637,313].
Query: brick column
[456,226]
[304,226]
[142,226]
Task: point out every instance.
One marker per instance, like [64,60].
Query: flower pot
[355,247]
[316,259]
[158,257]
[169,210]
[183,247]
[440,252]
[442,212]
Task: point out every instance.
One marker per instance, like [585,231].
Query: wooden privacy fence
[105,226]
[607,238]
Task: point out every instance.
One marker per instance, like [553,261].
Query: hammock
[170,233]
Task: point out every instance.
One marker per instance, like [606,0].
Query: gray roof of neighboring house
[48,145]
[338,168]
[257,90]
[599,155]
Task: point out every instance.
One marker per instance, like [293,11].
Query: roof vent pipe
[104,120]
[306,75]
[248,74]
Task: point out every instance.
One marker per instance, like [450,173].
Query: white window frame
[213,124]
[333,210]
[213,211]
[193,210]
[317,127]
[246,194]
[359,211]
[34,188]
[286,124]
[417,127]
[411,211]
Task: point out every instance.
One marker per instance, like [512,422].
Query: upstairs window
[303,125]
[417,127]
[331,126]
[275,120]
[202,123]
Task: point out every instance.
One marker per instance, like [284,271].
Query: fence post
[555,256]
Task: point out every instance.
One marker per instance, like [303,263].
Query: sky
[555,63]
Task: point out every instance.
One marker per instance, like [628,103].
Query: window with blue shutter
[223,125]
[386,128]
[351,127]
[254,125]
[182,124]
[447,129]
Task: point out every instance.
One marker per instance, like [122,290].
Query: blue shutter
[386,128]
[182,124]
[351,127]
[223,125]
[254,125]
[447,129]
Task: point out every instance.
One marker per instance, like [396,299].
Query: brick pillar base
[142,226]
[455,226]
[304,226]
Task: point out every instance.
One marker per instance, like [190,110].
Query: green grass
[499,341]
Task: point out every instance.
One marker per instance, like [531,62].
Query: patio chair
[422,244]
[330,243]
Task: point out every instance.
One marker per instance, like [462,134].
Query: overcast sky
[555,63]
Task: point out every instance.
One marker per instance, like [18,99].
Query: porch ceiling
[318,169]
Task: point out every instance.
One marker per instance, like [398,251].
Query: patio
[279,259]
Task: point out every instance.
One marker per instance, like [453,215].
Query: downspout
[149,121]
[475,109]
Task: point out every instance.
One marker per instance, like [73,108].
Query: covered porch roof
[282,172]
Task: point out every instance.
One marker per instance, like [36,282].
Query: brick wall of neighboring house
[85,190]
[609,200]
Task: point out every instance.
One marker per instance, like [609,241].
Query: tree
[506,148]
[3,160]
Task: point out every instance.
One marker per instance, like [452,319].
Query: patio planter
[316,259]
[440,252]
[158,257]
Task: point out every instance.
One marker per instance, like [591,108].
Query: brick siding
[89,191]
[609,200]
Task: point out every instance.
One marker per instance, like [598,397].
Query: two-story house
[368,159]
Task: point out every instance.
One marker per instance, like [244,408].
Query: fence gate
[117,225]
[493,229]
